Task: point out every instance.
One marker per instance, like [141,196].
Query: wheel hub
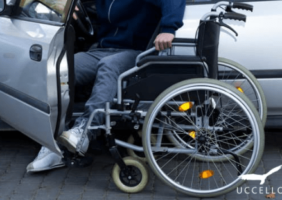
[202,139]
[206,140]
[131,176]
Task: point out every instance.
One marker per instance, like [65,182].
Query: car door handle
[35,52]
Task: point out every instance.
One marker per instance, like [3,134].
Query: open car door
[36,52]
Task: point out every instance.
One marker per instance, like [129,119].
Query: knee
[78,59]
[109,66]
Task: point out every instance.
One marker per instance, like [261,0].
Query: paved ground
[94,182]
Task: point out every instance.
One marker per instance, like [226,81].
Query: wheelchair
[200,118]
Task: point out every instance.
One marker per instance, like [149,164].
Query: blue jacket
[129,24]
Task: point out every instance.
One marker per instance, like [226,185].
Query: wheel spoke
[223,142]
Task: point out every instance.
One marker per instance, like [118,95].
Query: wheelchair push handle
[243,6]
[235,16]
[230,5]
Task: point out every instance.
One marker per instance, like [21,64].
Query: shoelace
[42,151]
[79,130]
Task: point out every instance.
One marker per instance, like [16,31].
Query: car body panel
[257,47]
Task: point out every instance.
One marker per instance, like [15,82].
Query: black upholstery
[160,73]
[184,40]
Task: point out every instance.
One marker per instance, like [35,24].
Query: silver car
[36,82]
[37,53]
[33,88]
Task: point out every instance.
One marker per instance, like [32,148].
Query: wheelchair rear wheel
[237,75]
[212,121]
[242,79]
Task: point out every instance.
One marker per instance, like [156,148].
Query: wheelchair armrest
[168,59]
[175,42]
[184,40]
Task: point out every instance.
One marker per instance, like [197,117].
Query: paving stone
[97,184]
[72,189]
[47,193]
[21,197]
[162,190]
[74,180]
[272,163]
[237,193]
[214,198]
[116,195]
[68,196]
[165,198]
[2,197]
[272,155]
[276,184]
[92,197]
[52,176]
[94,182]
[140,197]
[259,191]
[185,197]
[145,195]
[7,188]
[237,197]
[79,171]
[10,176]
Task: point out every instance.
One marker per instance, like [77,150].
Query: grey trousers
[101,68]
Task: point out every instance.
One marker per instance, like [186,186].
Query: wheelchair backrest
[207,45]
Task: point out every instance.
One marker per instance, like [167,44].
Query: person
[125,30]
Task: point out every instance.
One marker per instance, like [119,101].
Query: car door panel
[34,92]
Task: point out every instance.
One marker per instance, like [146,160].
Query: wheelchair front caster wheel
[132,153]
[136,177]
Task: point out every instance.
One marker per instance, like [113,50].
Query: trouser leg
[104,68]
[105,85]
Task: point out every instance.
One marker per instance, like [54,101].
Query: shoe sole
[47,168]
[71,147]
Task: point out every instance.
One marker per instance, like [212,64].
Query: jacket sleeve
[172,14]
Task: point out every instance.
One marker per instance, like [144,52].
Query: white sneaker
[45,160]
[71,138]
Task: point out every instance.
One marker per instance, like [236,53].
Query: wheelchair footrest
[74,160]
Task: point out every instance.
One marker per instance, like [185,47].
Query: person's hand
[74,14]
[163,41]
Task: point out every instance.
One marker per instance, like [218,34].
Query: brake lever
[225,25]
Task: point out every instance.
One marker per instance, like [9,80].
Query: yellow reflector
[240,89]
[192,134]
[186,106]
[206,174]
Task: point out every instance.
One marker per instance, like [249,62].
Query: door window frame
[16,14]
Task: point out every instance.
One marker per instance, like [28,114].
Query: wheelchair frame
[200,122]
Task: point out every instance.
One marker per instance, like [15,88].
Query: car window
[1,5]
[43,10]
